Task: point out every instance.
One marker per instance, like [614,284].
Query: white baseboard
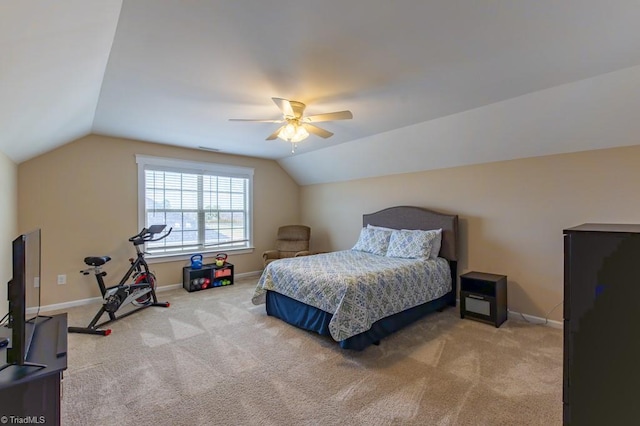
[81,302]
[249,274]
[98,299]
[65,305]
[536,320]
[530,318]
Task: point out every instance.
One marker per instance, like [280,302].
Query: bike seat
[96,261]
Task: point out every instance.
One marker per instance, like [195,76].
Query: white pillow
[374,241]
[381,227]
[412,244]
[437,243]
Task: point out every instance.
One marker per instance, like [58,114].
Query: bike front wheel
[145,299]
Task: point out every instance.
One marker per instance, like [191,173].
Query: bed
[357,298]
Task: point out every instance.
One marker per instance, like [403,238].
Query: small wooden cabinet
[209,276]
[483,297]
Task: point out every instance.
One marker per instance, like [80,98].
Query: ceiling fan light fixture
[293,132]
[296,125]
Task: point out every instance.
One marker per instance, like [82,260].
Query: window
[207,205]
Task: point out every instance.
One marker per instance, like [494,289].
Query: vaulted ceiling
[430,83]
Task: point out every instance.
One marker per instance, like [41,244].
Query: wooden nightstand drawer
[477,304]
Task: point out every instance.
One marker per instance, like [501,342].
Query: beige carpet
[213,358]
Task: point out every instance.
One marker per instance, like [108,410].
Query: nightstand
[483,297]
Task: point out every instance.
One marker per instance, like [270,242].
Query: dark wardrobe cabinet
[601,325]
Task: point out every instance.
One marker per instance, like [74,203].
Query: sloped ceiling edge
[595,113]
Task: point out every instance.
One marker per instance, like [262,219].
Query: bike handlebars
[146,235]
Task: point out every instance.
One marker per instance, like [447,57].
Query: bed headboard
[409,217]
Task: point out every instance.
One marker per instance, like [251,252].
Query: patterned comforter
[358,288]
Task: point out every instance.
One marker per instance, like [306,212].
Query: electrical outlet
[62,279]
[36,282]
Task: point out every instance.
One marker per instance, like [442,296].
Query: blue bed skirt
[313,319]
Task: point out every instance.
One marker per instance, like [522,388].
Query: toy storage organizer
[209,276]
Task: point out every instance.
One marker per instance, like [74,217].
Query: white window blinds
[208,206]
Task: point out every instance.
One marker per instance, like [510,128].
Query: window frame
[145,162]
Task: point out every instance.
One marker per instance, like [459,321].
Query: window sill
[161,258]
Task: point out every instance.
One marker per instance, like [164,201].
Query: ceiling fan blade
[330,116]
[317,130]
[274,135]
[257,121]
[285,106]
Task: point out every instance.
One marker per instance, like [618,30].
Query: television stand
[30,330]
[25,364]
[61,344]
[37,392]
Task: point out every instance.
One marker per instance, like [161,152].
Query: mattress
[356,288]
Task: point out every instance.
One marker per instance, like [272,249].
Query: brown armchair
[292,241]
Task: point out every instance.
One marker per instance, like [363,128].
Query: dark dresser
[601,324]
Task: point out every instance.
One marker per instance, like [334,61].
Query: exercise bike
[140,293]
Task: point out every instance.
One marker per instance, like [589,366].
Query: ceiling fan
[296,127]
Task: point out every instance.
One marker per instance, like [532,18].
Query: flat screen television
[24,297]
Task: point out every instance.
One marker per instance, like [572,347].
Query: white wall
[512,213]
[517,172]
[84,198]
